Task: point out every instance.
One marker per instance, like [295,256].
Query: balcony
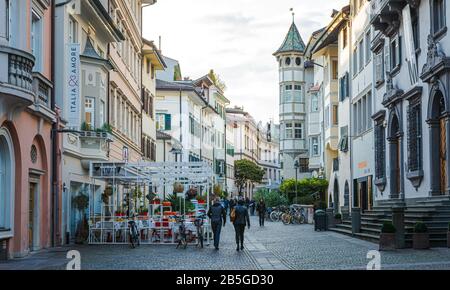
[16,78]
[87,146]
[386,14]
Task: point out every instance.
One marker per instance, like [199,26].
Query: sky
[236,38]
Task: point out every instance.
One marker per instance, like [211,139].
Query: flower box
[167,203]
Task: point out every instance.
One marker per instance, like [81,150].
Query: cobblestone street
[275,246]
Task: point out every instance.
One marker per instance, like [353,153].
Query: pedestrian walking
[252,207]
[232,204]
[241,219]
[261,209]
[226,203]
[218,216]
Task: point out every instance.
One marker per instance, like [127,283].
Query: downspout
[54,167]
[350,123]
[181,127]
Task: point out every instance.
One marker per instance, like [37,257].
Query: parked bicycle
[277,213]
[182,241]
[133,232]
[295,215]
[199,227]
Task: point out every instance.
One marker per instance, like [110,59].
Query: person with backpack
[240,218]
[217,215]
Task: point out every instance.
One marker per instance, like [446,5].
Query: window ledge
[379,84]
[395,71]
[440,33]
[415,177]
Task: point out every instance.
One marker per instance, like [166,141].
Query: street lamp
[296,166]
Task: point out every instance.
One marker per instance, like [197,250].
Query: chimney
[159,45]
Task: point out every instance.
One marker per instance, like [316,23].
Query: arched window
[298,61]
[6,182]
[288,61]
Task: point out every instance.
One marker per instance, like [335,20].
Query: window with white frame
[379,66]
[289,132]
[89,112]
[36,40]
[361,54]
[355,61]
[315,146]
[5,19]
[298,131]
[314,103]
[438,16]
[395,53]
[368,51]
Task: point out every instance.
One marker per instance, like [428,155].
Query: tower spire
[293,14]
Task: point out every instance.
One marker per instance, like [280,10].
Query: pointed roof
[90,53]
[292,42]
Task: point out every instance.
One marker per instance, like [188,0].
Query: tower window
[298,61]
[288,61]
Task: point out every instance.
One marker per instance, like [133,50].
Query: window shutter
[168,122]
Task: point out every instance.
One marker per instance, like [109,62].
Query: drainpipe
[350,123]
[54,227]
[181,126]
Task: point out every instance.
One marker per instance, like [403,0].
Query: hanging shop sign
[73,84]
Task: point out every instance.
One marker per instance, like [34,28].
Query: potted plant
[81,203]
[156,200]
[178,187]
[338,218]
[201,200]
[387,237]
[448,236]
[421,237]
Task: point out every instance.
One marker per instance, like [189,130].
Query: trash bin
[320,220]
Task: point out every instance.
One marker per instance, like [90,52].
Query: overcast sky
[236,38]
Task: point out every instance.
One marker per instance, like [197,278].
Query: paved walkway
[274,246]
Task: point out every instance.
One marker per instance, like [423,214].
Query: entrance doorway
[363,193]
[438,144]
[336,196]
[33,210]
[395,157]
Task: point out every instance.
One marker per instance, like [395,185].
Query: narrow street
[275,246]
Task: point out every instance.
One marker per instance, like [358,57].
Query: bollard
[356,220]
[398,220]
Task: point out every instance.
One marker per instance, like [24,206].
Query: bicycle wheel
[302,218]
[273,216]
[132,242]
[286,218]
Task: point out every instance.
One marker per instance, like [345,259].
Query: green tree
[246,171]
[217,80]
[271,197]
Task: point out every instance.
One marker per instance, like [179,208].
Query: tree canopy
[247,171]
[217,80]
[305,187]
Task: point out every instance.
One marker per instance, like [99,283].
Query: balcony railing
[16,68]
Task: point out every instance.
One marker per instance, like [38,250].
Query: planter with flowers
[155,201]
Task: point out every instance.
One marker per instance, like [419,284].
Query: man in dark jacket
[218,216]
[261,208]
[241,219]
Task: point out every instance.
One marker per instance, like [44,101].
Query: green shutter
[168,122]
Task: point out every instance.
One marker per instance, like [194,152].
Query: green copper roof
[292,42]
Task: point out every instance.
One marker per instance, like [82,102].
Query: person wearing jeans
[240,221]
[261,208]
[218,216]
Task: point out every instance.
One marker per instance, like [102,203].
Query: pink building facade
[26,119]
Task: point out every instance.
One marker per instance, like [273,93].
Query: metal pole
[296,178]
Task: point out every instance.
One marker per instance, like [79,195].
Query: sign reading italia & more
[73,84]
